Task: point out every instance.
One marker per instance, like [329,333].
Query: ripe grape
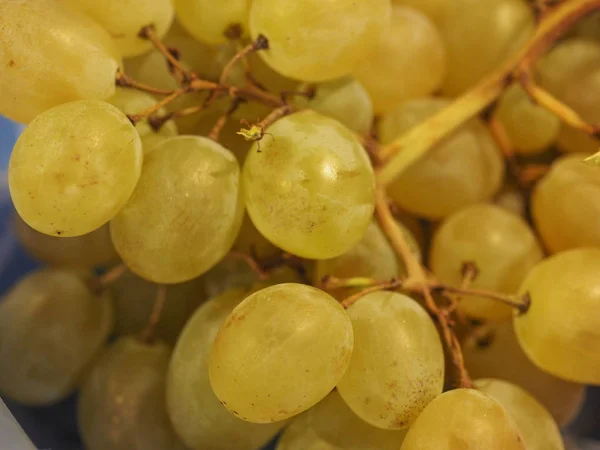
[434,9]
[566,205]
[501,245]
[185,212]
[299,436]
[121,405]
[259,367]
[197,415]
[512,199]
[50,55]
[124,20]
[466,168]
[498,355]
[561,330]
[250,241]
[536,425]
[304,37]
[74,167]
[464,419]
[310,187]
[51,327]
[409,61]
[391,389]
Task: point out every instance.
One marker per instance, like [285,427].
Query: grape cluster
[346,222]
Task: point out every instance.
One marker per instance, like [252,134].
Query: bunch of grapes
[359,224]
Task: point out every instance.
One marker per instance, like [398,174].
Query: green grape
[51,327]
[74,167]
[463,419]
[310,187]
[501,245]
[227,274]
[209,23]
[268,77]
[536,425]
[304,37]
[197,415]
[50,55]
[397,364]
[259,365]
[130,101]
[121,405]
[86,251]
[560,332]
[480,36]
[530,128]
[299,436]
[250,241]
[344,100]
[409,61]
[512,199]
[499,355]
[332,421]
[565,205]
[434,9]
[185,212]
[134,298]
[466,168]
[124,19]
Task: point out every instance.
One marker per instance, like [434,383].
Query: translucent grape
[124,20]
[409,61]
[299,436]
[305,40]
[434,9]
[86,251]
[51,327]
[134,298]
[566,205]
[466,168]
[185,212]
[130,101]
[310,189]
[345,100]
[197,415]
[250,241]
[512,199]
[560,332]
[536,425]
[383,388]
[50,55]
[259,367]
[334,422]
[463,419]
[480,36]
[530,128]
[501,245]
[499,355]
[122,403]
[74,167]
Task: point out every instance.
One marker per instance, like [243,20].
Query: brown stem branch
[521,304]
[261,43]
[102,282]
[123,80]
[386,285]
[147,334]
[215,132]
[149,32]
[135,118]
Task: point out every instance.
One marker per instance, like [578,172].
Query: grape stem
[135,118]
[102,282]
[147,334]
[222,120]
[261,43]
[123,80]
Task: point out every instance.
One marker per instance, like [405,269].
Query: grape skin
[299,436]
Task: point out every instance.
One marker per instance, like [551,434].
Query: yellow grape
[537,427]
[85,251]
[530,128]
[498,355]
[305,41]
[74,167]
[300,436]
[121,405]
[259,365]
[560,332]
[466,168]
[250,241]
[124,19]
[463,419]
[130,101]
[332,421]
[397,364]
[480,36]
[197,415]
[310,187]
[134,297]
[566,205]
[50,55]
[51,327]
[502,246]
[227,274]
[409,61]
[512,199]
[345,100]
[434,9]
[185,212]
